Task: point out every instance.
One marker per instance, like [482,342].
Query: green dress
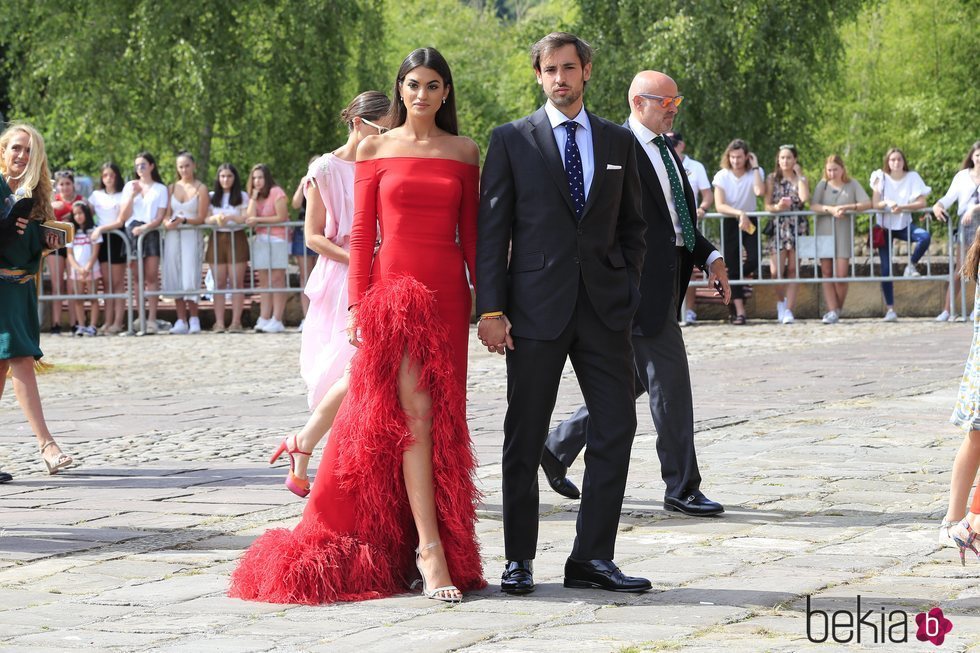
[20,329]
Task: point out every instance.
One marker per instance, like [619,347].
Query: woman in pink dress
[325,351]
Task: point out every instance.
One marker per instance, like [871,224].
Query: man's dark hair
[557,40]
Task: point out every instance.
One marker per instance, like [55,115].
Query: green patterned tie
[680,202]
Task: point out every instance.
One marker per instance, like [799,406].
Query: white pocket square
[613,166]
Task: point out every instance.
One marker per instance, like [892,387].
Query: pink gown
[325,351]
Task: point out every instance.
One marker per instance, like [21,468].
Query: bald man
[674,244]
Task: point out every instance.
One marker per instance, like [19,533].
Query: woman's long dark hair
[109,165]
[155,172]
[235,194]
[89,220]
[426,58]
[266,174]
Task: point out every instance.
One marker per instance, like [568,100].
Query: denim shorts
[151,240]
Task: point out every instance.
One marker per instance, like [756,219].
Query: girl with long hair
[182,247]
[786,190]
[106,201]
[737,184]
[227,252]
[270,249]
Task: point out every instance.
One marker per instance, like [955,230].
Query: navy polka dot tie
[573,169]
[680,202]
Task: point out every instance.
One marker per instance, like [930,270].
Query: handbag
[878,237]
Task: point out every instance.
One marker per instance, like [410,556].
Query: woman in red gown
[395,486]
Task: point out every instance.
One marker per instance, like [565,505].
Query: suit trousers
[603,365]
[662,372]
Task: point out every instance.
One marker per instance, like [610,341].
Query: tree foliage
[265,80]
[748,69]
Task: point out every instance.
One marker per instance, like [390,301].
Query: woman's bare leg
[843,270]
[151,279]
[417,469]
[278,279]
[319,423]
[237,275]
[29,398]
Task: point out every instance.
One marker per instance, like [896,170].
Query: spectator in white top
[963,191]
[106,201]
[737,185]
[698,178]
[189,204]
[143,208]
[897,191]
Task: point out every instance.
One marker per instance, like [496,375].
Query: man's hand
[494,333]
[718,274]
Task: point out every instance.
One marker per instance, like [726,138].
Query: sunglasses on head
[381,130]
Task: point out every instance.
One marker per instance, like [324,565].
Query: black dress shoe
[696,505]
[5,477]
[555,472]
[518,577]
[602,575]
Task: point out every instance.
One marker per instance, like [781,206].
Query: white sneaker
[943,317]
[910,271]
[787,317]
[831,318]
[194,325]
[690,317]
[273,326]
[89,331]
[261,324]
[890,316]
[780,309]
[179,328]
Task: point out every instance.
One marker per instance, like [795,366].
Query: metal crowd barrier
[812,247]
[210,231]
[110,291]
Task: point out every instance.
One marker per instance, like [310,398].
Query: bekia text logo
[873,626]
[933,626]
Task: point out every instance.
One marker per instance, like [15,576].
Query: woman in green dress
[24,173]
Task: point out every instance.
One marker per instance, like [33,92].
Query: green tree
[750,69]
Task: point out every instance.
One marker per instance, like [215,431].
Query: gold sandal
[63,460]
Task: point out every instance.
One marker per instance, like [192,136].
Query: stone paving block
[409,640]
[63,613]
[171,591]
[86,640]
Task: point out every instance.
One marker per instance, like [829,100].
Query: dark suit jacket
[525,206]
[656,282]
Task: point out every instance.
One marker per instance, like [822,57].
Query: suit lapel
[543,138]
[648,175]
[600,158]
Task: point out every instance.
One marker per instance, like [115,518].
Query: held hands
[494,334]
[839,211]
[718,279]
[253,221]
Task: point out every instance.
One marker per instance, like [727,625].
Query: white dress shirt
[645,137]
[583,138]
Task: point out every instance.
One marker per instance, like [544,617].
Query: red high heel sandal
[298,486]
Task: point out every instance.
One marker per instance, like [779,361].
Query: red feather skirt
[357,537]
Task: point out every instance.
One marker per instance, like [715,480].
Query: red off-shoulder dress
[357,537]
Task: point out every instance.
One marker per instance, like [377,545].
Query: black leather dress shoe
[602,575]
[555,472]
[696,505]
[5,477]
[518,577]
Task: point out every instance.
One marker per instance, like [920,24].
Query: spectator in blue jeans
[897,191]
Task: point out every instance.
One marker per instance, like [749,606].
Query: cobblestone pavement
[829,447]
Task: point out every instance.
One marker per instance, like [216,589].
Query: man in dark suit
[560,192]
[658,346]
